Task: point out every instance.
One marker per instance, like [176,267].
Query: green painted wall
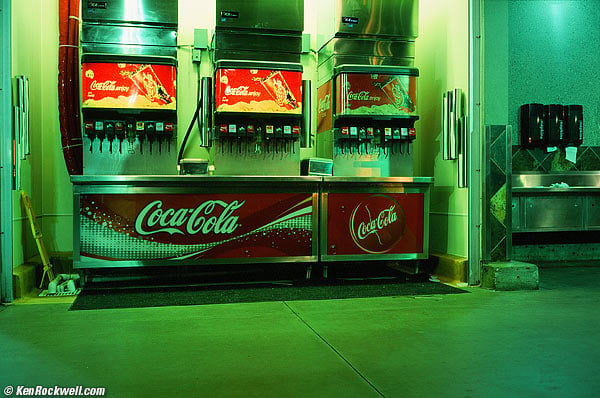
[442,57]
[495,63]
[542,51]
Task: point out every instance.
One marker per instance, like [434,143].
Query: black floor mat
[105,298]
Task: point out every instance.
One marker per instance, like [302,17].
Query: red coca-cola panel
[258,90]
[324,111]
[375,94]
[188,226]
[137,86]
[375,223]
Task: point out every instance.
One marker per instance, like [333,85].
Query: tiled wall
[497,223]
[526,160]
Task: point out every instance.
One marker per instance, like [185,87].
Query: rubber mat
[158,296]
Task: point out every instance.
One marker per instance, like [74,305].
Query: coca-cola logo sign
[362,96]
[209,217]
[243,91]
[109,85]
[377,224]
[324,103]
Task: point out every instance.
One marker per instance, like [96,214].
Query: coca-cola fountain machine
[128,80]
[258,115]
[366,95]
[373,207]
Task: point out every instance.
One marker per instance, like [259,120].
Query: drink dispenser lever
[110,135]
[100,133]
[140,133]
[160,134]
[171,134]
[151,134]
[90,132]
[120,134]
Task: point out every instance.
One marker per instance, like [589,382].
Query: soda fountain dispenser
[128,79]
[367,105]
[258,96]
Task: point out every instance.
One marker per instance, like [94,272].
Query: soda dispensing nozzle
[141,134]
[232,136]
[287,138]
[278,135]
[151,133]
[295,137]
[110,135]
[250,137]
[159,127]
[120,134]
[412,136]
[241,139]
[269,132]
[369,139]
[99,132]
[171,134]
[90,132]
[130,133]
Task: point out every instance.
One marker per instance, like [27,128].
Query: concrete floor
[485,344]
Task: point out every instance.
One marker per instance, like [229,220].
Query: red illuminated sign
[324,111]
[137,86]
[258,90]
[375,94]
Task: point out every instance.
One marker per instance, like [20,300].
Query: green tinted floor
[485,344]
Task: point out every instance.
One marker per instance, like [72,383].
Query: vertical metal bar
[461,138]
[474,147]
[445,149]
[463,158]
[26,148]
[6,154]
[205,112]
[22,118]
[306,139]
[452,154]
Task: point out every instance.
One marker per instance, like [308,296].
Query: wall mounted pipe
[205,112]
[306,139]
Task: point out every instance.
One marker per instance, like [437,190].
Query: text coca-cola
[209,217]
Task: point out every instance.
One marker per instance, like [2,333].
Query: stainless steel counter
[169,179]
[568,201]
[556,182]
